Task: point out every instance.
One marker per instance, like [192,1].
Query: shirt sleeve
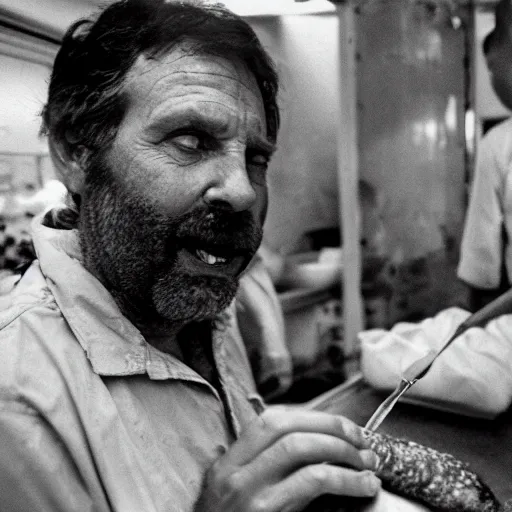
[37,472]
[464,379]
[482,245]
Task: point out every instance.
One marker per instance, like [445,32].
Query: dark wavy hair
[86,102]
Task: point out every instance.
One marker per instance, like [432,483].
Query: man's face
[172,213]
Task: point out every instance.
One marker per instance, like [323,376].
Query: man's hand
[278,464]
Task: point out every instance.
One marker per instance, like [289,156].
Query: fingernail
[367,435]
[365,440]
[370,459]
[373,484]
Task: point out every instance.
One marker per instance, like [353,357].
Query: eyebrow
[201,121]
[191,117]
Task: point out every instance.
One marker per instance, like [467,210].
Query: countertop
[485,444]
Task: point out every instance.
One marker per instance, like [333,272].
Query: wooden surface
[485,444]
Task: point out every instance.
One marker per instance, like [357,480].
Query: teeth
[210,259]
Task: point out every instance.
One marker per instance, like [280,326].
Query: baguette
[436,479]
[423,475]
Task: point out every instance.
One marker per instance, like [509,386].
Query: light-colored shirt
[489,211]
[92,417]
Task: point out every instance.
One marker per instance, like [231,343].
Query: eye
[188,141]
[257,165]
[193,141]
[258,159]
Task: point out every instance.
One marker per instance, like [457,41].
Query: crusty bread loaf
[436,479]
[423,475]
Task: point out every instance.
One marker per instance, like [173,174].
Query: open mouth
[211,259]
[219,261]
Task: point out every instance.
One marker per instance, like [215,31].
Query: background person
[486,254]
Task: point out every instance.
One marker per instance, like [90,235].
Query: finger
[299,449]
[303,486]
[278,422]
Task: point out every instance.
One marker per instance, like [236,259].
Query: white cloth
[473,376]
[387,502]
[490,209]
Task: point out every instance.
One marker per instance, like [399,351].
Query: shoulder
[494,153]
[501,131]
[39,354]
[498,140]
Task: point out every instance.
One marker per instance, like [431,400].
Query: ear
[69,165]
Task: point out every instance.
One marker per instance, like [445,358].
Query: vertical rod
[348,163]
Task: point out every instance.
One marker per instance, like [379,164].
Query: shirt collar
[113,345]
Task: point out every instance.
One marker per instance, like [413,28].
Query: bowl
[304,270]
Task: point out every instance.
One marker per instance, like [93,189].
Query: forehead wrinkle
[246,79]
[226,116]
[236,68]
[233,69]
[250,119]
[159,108]
[162,82]
[144,66]
[153,95]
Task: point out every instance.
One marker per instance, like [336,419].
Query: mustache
[235,231]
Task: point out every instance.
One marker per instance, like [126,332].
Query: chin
[193,299]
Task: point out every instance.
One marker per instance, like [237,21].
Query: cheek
[168,188]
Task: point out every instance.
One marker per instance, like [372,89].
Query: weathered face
[172,213]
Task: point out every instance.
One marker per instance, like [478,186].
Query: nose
[230,187]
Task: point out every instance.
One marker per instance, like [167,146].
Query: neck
[163,336]
[192,344]
[188,341]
